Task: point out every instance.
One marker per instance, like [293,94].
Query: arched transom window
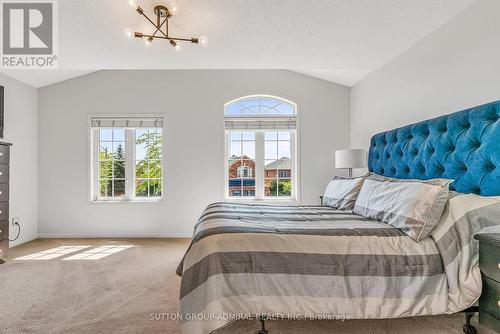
[260,148]
[260,106]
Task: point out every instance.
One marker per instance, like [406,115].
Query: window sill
[134,201]
[277,201]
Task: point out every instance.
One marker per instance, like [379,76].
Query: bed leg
[263,330]
[468,328]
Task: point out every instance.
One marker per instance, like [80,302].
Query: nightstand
[489,262]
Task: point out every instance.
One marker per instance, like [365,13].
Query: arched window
[260,106]
[260,132]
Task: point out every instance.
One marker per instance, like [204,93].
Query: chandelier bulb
[173,8]
[149,41]
[203,40]
[129,33]
[134,4]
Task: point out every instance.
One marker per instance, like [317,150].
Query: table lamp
[350,158]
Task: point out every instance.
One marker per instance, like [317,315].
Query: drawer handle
[2,192]
[1,173]
[1,154]
[498,265]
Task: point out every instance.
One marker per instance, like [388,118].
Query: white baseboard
[21,241]
[113,235]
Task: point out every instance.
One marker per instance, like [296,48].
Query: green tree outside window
[149,170]
[284,187]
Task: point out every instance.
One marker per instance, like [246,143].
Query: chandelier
[162,15]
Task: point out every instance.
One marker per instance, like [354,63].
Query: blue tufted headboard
[463,146]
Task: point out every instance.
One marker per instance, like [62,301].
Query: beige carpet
[118,293]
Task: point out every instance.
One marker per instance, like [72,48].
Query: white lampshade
[350,158]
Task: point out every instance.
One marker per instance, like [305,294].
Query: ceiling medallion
[163,14]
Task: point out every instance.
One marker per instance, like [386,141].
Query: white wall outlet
[16,220]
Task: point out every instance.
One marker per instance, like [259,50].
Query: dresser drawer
[4,173]
[490,297]
[4,211]
[4,192]
[4,247]
[489,260]
[4,229]
[4,154]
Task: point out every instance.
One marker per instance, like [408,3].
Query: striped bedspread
[320,263]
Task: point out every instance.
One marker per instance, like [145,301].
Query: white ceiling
[42,78]
[343,77]
[337,40]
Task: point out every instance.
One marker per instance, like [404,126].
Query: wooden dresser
[489,262]
[4,199]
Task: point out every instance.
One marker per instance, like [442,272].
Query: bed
[315,262]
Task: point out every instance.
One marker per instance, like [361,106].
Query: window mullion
[293,164]
[95,163]
[259,164]
[129,163]
[226,164]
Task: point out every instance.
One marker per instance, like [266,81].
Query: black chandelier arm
[192,40]
[183,39]
[158,28]
[166,27]
[153,25]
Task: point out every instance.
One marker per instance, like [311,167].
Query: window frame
[258,173]
[130,160]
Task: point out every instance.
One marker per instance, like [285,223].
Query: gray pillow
[414,206]
[341,192]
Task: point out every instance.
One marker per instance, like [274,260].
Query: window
[244,172]
[260,148]
[284,174]
[127,158]
[111,159]
[148,165]
[240,164]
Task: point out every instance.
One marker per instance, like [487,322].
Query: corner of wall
[21,129]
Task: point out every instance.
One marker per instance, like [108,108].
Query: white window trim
[259,159]
[93,144]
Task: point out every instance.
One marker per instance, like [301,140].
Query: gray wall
[454,68]
[21,131]
[193,103]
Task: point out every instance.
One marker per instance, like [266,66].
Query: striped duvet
[318,262]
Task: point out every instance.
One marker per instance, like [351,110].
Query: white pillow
[413,206]
[341,193]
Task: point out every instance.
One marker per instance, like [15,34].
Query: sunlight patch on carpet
[53,253]
[99,252]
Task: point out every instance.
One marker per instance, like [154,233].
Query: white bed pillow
[413,206]
[341,193]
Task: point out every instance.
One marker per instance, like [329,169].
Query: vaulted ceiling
[336,40]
